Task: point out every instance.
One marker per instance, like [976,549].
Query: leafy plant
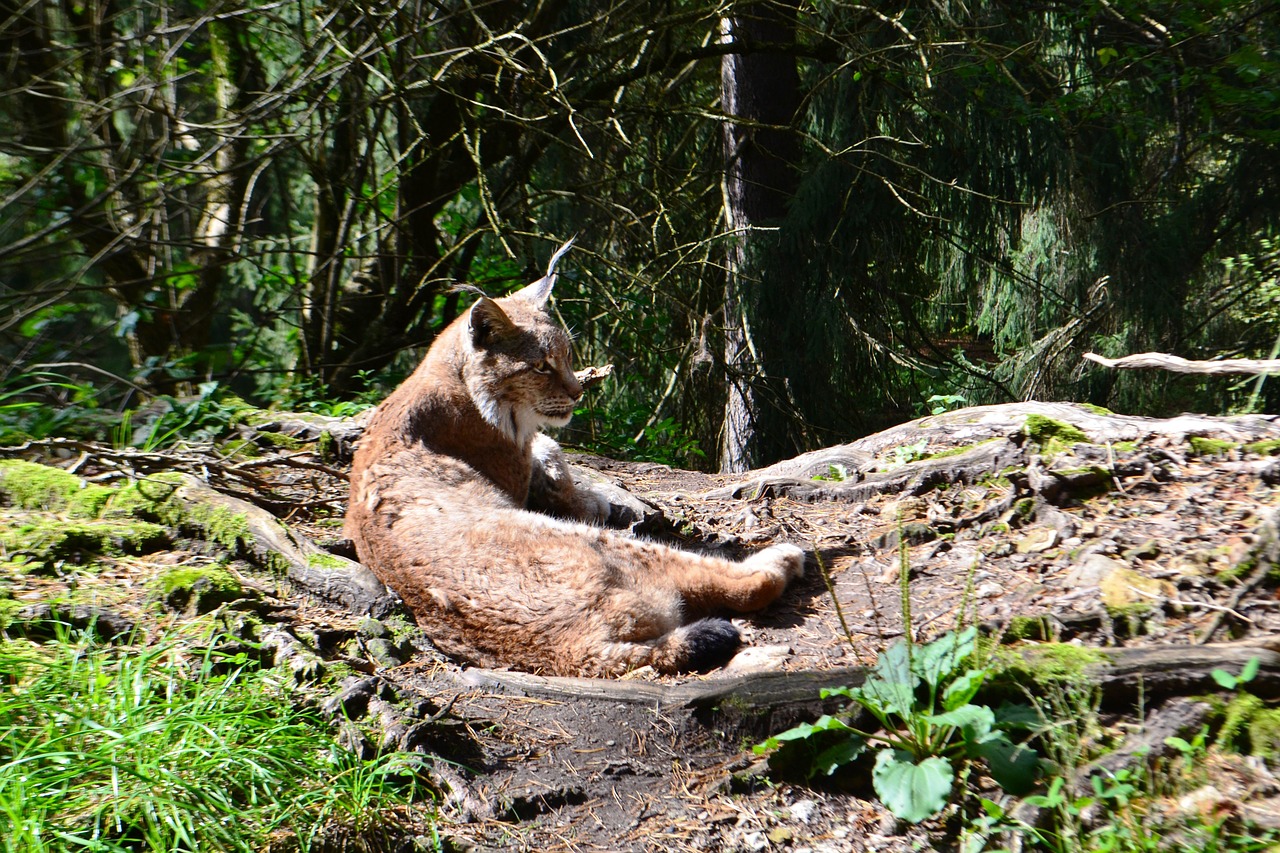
[41,403]
[201,418]
[1227,681]
[922,698]
[939,403]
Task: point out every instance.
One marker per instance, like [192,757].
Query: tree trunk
[760,89]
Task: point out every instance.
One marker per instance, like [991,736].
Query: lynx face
[519,367]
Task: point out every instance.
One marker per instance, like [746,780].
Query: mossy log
[966,445]
[265,541]
[1125,676]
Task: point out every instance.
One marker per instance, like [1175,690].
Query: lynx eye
[542,366]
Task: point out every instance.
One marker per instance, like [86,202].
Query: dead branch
[1176,364]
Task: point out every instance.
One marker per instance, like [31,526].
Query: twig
[835,600]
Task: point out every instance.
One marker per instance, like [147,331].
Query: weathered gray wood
[1126,674]
[1177,364]
[995,438]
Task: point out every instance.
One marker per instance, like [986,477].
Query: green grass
[107,749]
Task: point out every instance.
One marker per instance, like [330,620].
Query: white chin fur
[556,420]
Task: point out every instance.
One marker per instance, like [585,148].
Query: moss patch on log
[31,486]
[1052,434]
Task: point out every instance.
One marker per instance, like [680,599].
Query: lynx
[468,512]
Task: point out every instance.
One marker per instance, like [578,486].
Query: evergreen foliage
[277,198]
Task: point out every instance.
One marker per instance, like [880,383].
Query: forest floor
[1046,524]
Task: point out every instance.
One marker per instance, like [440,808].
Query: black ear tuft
[488,322]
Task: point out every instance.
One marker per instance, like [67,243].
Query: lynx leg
[698,646]
[709,583]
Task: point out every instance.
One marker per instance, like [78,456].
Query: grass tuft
[106,749]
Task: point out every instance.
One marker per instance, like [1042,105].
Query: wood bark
[269,543]
[759,96]
[1125,676]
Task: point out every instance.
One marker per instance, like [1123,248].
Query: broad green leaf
[963,689]
[991,807]
[912,791]
[832,759]
[1012,715]
[1015,767]
[825,723]
[888,697]
[976,720]
[937,661]
[1250,670]
[1225,680]
[890,687]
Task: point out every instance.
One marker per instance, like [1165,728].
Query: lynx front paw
[593,507]
[787,559]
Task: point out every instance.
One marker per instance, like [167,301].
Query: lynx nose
[572,386]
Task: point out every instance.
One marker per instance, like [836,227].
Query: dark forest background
[796,224]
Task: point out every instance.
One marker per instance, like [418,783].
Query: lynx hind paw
[709,643]
[788,559]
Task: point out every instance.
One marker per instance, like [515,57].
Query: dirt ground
[1126,533]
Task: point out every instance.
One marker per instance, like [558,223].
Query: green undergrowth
[121,749]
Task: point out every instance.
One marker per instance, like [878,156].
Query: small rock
[1037,540]
[370,627]
[990,589]
[759,659]
[1124,588]
[1148,550]
[383,652]
[803,810]
[1092,569]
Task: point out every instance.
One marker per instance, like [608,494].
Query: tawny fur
[441,488]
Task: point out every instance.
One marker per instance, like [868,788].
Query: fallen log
[1125,676]
[265,541]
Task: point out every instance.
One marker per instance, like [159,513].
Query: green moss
[326,447]
[1270,447]
[1202,446]
[46,540]
[31,486]
[1024,508]
[1048,432]
[8,609]
[279,439]
[962,449]
[321,560]
[1097,410]
[1125,446]
[1264,734]
[1027,627]
[90,502]
[1236,717]
[1052,662]
[205,587]
[157,497]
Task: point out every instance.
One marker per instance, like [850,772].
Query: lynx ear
[488,322]
[537,293]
